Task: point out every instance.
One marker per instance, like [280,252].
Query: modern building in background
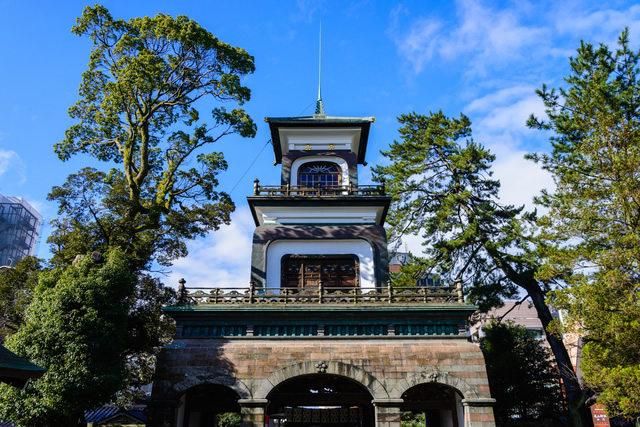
[19,229]
[520,313]
[398,259]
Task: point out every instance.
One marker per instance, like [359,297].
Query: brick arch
[423,376]
[209,377]
[360,376]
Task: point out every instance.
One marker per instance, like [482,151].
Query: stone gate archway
[354,373]
[320,399]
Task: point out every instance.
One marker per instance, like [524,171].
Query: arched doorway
[321,400]
[204,405]
[433,405]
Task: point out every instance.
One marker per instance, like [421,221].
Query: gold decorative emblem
[332,147]
[308,147]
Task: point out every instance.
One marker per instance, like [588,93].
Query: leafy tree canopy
[522,379]
[593,220]
[137,109]
[76,328]
[441,185]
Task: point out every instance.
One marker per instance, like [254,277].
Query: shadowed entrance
[440,405]
[203,405]
[320,400]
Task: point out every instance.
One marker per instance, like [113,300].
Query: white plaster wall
[319,138]
[361,248]
[297,163]
[320,215]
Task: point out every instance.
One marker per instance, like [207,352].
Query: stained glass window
[320,174]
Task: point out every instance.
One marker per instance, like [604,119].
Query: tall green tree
[593,215]
[441,187]
[522,379]
[138,115]
[138,112]
[76,328]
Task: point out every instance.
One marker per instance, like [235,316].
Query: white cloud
[500,125]
[506,111]
[600,26]
[220,260]
[484,37]
[520,179]
[307,9]
[10,162]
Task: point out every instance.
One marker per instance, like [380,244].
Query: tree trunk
[580,415]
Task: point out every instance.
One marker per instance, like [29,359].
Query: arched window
[322,173]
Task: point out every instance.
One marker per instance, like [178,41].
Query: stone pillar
[252,412]
[161,413]
[479,412]
[387,412]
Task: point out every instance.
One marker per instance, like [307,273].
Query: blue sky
[380,58]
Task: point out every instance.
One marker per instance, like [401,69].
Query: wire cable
[250,166]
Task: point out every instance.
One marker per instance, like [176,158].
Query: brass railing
[321,295]
[318,190]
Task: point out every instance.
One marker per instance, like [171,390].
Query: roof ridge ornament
[319,113]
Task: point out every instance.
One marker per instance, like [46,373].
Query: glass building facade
[19,229]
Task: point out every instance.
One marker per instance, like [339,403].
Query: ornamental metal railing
[318,190]
[321,294]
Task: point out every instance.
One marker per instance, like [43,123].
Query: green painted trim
[321,308]
[331,330]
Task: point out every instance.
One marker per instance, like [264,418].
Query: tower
[319,227]
[320,337]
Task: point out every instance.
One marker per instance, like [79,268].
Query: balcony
[254,296]
[317,191]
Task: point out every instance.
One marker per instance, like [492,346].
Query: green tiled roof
[15,370]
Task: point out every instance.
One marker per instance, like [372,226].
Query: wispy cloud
[486,37]
[599,26]
[10,163]
[505,110]
[307,9]
[500,124]
[491,38]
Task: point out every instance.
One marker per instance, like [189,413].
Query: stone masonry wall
[386,367]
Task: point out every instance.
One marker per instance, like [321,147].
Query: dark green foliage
[137,113]
[412,419]
[593,220]
[522,378]
[137,110]
[441,187]
[229,419]
[76,328]
[16,291]
[410,272]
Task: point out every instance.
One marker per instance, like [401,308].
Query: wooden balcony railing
[318,190]
[320,295]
